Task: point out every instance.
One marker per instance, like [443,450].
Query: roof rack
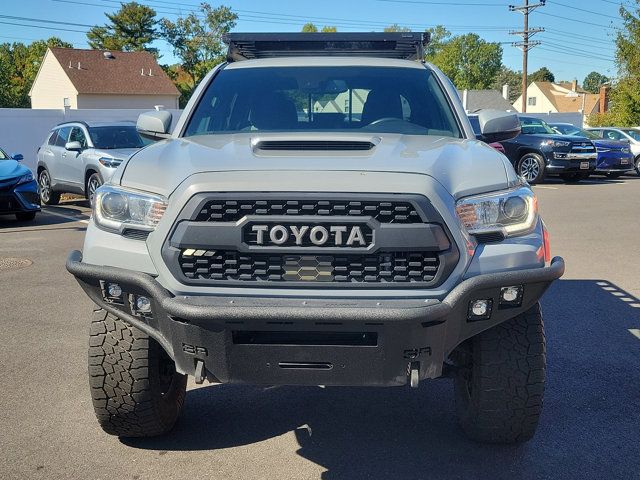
[402,45]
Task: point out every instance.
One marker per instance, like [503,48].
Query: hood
[463,167]
[118,153]
[12,169]
[611,144]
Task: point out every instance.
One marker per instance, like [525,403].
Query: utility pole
[526,44]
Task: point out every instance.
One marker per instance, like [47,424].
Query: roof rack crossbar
[400,45]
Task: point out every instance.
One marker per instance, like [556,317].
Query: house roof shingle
[119,75]
[486,99]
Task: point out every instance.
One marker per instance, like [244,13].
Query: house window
[531,101]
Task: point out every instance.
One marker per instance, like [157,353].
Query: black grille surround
[208,244]
[313,145]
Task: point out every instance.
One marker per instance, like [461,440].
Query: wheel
[26,216]
[500,382]
[531,167]
[135,388]
[637,164]
[93,183]
[47,195]
[614,175]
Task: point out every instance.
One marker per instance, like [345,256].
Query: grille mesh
[225,265]
[234,210]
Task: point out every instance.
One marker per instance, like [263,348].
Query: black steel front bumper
[314,341]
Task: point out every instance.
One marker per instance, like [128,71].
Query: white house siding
[53,86]
[126,101]
[543,105]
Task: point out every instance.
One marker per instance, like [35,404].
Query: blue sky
[579,36]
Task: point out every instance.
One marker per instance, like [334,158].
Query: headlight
[115,208]
[110,162]
[555,143]
[626,150]
[512,212]
[26,178]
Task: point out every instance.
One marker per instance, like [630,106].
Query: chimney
[574,86]
[604,98]
[505,92]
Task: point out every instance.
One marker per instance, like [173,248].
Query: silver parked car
[631,135]
[78,157]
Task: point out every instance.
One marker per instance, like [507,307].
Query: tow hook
[414,374]
[199,371]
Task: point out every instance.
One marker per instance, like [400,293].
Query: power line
[580,21]
[572,7]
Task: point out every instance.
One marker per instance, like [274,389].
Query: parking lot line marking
[68,217]
[546,187]
[635,332]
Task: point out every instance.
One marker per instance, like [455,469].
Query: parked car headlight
[26,178]
[110,162]
[115,208]
[555,143]
[512,212]
[626,150]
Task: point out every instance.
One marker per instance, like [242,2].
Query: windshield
[115,136]
[337,99]
[633,133]
[3,156]
[575,131]
[534,126]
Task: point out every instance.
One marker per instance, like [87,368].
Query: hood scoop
[314,145]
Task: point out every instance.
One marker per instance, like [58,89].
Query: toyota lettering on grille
[311,235]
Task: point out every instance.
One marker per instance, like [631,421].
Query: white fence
[23,130]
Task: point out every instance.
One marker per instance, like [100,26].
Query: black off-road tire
[500,384]
[135,388]
[637,165]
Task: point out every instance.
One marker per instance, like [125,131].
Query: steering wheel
[385,119]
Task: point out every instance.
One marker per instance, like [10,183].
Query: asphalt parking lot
[589,427]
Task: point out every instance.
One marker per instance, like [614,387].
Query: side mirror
[73,146]
[497,126]
[18,157]
[154,124]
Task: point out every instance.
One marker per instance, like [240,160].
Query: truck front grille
[583,147]
[234,210]
[382,267]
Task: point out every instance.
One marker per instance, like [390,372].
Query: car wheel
[93,183]
[500,380]
[135,389]
[638,165]
[26,216]
[47,195]
[531,167]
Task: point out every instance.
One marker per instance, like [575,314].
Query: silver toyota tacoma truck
[321,214]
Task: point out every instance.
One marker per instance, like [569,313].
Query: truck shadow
[588,429]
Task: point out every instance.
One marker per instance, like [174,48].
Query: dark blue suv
[540,151]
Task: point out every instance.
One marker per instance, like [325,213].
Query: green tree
[439,36]
[542,75]
[594,81]
[309,28]
[513,79]
[19,65]
[197,41]
[469,61]
[131,29]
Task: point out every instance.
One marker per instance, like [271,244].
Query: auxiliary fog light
[511,296]
[143,304]
[480,309]
[114,290]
